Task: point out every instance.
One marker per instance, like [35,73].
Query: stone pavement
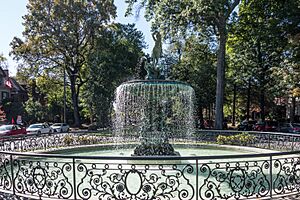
[291,197]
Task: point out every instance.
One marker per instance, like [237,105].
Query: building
[10,88]
[13,92]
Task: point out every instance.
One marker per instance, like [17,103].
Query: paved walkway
[292,197]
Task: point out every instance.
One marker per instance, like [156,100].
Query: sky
[11,12]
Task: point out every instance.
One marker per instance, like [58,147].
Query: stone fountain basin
[124,151]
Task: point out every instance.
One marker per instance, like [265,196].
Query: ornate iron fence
[251,176]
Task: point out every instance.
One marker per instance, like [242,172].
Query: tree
[114,60]
[3,63]
[196,67]
[184,17]
[51,86]
[45,90]
[36,112]
[60,34]
[3,118]
[258,45]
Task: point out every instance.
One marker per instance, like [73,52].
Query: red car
[12,129]
[269,126]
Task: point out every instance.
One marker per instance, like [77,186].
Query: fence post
[12,173]
[293,142]
[45,141]
[271,176]
[197,179]
[74,179]
[22,144]
[269,141]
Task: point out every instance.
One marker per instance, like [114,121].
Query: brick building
[10,88]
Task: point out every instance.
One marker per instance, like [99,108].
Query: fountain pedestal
[154,147]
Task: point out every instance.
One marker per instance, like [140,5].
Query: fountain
[155,110]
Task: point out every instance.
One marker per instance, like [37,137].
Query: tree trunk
[65,99]
[293,110]
[200,118]
[248,99]
[233,107]
[262,104]
[209,114]
[262,81]
[74,94]
[220,75]
[103,116]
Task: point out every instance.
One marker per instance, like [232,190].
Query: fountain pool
[184,150]
[113,173]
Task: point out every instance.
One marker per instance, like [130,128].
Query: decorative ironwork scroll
[42,178]
[234,180]
[134,181]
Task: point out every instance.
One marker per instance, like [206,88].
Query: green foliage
[257,49]
[36,112]
[3,62]
[177,19]
[46,90]
[197,67]
[52,87]
[68,139]
[60,35]
[13,108]
[181,17]
[86,140]
[113,60]
[243,139]
[2,58]
[263,47]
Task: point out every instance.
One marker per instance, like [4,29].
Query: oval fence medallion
[134,180]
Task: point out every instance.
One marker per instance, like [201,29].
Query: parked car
[39,128]
[60,127]
[269,126]
[247,125]
[289,128]
[12,129]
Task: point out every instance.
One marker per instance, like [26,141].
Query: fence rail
[50,176]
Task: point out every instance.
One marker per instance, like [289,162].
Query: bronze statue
[153,69]
[157,49]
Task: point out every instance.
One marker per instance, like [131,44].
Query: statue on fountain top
[153,68]
[157,49]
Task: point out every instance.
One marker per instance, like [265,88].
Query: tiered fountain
[155,110]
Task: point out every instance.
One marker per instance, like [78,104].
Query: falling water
[154,111]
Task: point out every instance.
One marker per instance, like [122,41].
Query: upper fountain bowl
[155,111]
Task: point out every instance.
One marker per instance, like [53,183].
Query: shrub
[240,139]
[245,139]
[81,140]
[86,140]
[68,139]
